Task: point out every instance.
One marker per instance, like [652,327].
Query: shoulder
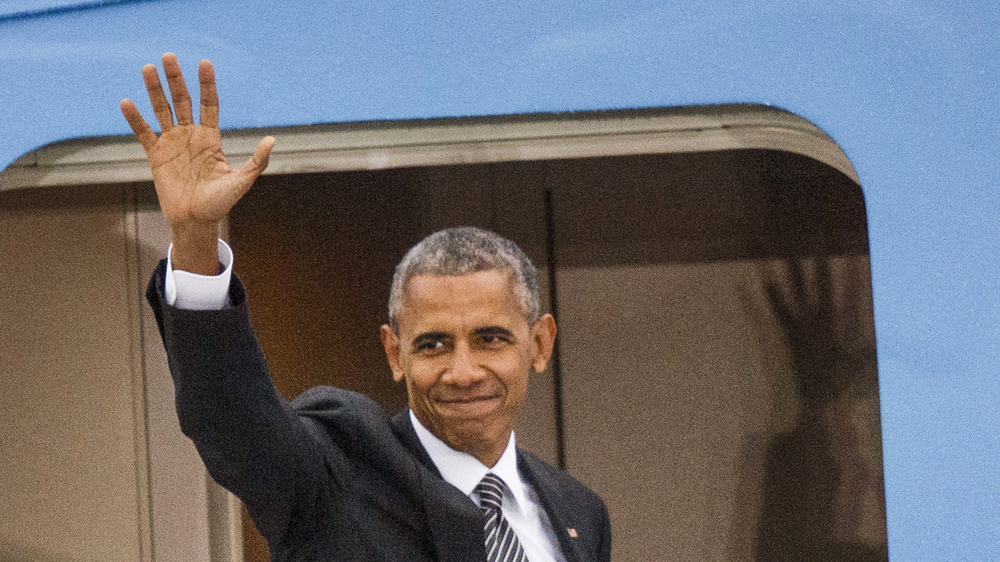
[346,419]
[558,484]
[327,398]
[571,506]
[345,409]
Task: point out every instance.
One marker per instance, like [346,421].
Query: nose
[464,368]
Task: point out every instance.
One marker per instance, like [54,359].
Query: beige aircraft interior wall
[68,466]
[94,466]
[679,385]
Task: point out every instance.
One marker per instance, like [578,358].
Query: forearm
[248,436]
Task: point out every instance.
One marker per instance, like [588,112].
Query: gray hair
[461,251]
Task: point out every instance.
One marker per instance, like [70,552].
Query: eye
[494,340]
[430,347]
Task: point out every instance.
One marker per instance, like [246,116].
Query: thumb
[258,162]
[244,177]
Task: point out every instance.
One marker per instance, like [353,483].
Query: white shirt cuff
[191,291]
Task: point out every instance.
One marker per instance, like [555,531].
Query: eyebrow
[483,331]
[493,331]
[428,337]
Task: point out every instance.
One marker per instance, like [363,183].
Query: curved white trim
[396,144]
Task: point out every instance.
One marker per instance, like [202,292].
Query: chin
[468,434]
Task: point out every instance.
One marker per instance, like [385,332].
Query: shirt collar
[464,471]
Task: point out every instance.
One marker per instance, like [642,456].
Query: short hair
[461,251]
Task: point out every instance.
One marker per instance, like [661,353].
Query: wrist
[195,249]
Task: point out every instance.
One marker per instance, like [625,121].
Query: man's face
[465,350]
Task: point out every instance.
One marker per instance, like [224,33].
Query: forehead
[450,301]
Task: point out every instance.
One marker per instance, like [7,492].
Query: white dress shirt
[521,505]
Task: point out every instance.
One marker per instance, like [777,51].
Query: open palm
[195,184]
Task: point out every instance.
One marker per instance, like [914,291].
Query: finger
[161,107]
[178,89]
[258,162]
[209,114]
[143,133]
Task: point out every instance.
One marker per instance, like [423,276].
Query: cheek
[517,390]
[516,379]
[520,389]
[420,376]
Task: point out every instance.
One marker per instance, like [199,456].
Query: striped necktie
[501,542]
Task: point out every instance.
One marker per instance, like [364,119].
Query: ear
[390,341]
[543,334]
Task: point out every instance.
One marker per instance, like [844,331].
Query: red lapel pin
[572,532]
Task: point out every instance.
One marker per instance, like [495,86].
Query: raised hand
[195,184]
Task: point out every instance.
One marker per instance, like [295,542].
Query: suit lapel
[560,512]
[454,520]
[402,427]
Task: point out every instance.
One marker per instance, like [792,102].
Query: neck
[489,458]
[487,451]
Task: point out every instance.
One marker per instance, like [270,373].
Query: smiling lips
[469,405]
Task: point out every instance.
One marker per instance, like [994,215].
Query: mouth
[469,406]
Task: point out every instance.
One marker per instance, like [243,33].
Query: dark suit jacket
[329,476]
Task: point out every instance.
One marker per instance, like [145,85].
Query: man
[329,476]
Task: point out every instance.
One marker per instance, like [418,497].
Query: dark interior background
[716,334]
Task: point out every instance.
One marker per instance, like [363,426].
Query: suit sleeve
[248,436]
